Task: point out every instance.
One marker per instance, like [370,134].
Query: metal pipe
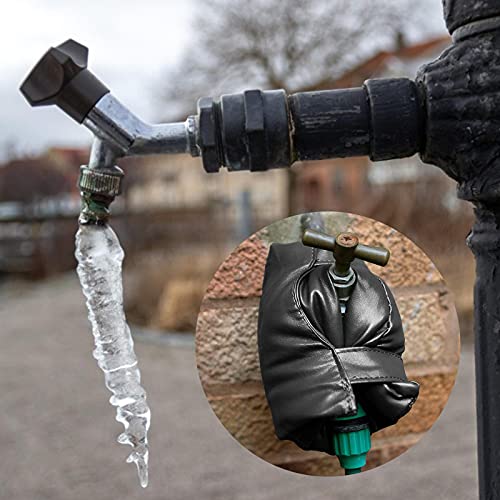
[345,248]
[312,220]
[102,155]
[110,120]
[253,130]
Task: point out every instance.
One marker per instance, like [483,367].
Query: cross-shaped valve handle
[345,248]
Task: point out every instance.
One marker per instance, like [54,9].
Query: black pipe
[330,124]
[359,121]
[259,130]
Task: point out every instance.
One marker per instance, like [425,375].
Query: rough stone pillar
[462,100]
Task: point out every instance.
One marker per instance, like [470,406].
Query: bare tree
[296,45]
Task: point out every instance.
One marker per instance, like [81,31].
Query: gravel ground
[57,429]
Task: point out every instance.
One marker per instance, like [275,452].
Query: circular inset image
[327,344]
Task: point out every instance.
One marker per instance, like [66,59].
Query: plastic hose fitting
[352,441]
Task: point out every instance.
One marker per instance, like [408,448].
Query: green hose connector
[98,188]
[93,211]
[352,446]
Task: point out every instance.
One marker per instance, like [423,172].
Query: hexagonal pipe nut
[208,135]
[255,129]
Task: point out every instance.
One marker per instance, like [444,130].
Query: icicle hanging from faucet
[100,258]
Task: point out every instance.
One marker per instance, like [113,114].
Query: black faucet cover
[317,365]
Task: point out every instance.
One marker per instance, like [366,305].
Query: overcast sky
[131,44]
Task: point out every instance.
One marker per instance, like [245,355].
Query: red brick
[226,345]
[321,464]
[430,321]
[435,390]
[409,265]
[240,275]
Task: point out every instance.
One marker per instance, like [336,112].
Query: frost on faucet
[100,258]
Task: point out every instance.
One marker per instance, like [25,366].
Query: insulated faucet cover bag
[316,364]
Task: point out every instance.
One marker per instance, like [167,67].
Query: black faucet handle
[61,77]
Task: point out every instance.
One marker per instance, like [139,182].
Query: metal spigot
[345,248]
[61,77]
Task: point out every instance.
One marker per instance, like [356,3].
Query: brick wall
[226,343]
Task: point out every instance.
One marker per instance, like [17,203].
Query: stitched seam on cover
[298,305]
[390,306]
[369,349]
[379,378]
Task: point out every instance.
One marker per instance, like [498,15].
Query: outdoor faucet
[61,77]
[345,248]
[254,130]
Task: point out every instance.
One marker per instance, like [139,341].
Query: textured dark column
[463,138]
[460,12]
[485,243]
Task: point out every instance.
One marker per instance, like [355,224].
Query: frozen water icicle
[100,258]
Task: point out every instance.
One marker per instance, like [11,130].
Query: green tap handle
[345,248]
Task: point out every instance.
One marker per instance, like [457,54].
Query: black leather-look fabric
[301,333]
[365,365]
[306,385]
